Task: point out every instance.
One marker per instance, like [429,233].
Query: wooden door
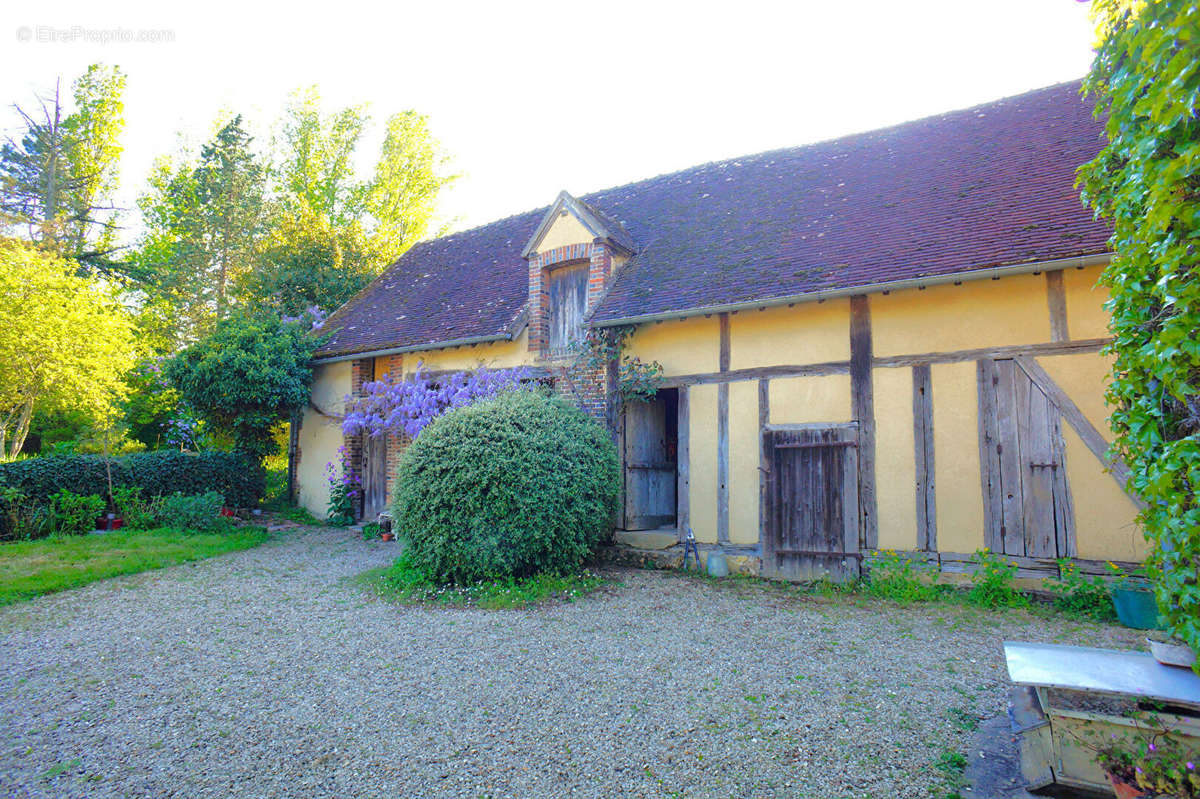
[811,518]
[374,477]
[568,302]
[1027,499]
[650,462]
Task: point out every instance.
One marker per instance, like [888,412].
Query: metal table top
[1109,671]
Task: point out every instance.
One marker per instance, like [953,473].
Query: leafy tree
[316,166]
[58,176]
[331,232]
[64,342]
[247,376]
[304,261]
[202,224]
[402,197]
[1147,180]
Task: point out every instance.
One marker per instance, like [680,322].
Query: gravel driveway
[269,673]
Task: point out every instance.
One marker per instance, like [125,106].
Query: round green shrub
[511,486]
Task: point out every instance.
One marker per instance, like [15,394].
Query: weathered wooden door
[811,519]
[650,462]
[568,302]
[374,477]
[1027,500]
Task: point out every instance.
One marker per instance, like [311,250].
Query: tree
[330,232]
[1147,181]
[203,221]
[57,178]
[64,342]
[247,376]
[316,166]
[304,261]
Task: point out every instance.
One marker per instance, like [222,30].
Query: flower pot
[1123,789]
[1136,607]
[1172,654]
[387,536]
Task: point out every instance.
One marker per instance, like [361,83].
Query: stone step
[647,539]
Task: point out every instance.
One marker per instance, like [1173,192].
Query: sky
[528,98]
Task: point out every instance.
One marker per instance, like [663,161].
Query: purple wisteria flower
[407,405]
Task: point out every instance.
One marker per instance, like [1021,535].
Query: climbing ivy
[639,381]
[1146,79]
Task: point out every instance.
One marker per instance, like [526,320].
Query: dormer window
[572,257]
[568,303]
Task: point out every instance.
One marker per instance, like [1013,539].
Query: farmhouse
[887,341]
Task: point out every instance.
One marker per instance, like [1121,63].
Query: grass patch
[951,766]
[32,568]
[400,582]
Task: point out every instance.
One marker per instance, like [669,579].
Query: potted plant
[1153,762]
[1133,598]
[1117,761]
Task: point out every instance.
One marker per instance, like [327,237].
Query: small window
[568,302]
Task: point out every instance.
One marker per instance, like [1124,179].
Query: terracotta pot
[1124,790]
[387,536]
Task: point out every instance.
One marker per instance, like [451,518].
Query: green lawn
[33,568]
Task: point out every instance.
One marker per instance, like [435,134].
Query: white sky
[532,97]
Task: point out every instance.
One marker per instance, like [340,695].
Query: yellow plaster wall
[1086,317]
[743,462]
[895,463]
[497,355]
[321,435]
[1104,514]
[805,333]
[800,400]
[565,230]
[957,485]
[979,313]
[1084,376]
[685,346]
[702,462]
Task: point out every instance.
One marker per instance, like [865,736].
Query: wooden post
[1056,300]
[764,475]
[923,453]
[863,393]
[723,438]
[683,465]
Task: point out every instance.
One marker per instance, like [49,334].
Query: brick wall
[587,388]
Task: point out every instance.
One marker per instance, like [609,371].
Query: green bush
[20,516]
[992,582]
[165,472]
[511,486]
[196,513]
[74,514]
[1077,595]
[892,576]
[137,513]
[1147,88]
[157,474]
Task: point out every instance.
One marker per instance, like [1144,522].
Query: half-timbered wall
[905,365]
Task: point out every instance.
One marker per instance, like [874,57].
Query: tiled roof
[466,285]
[986,186]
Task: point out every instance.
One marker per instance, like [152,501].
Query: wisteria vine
[407,406]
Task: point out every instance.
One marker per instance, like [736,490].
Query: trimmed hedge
[511,486]
[160,473]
